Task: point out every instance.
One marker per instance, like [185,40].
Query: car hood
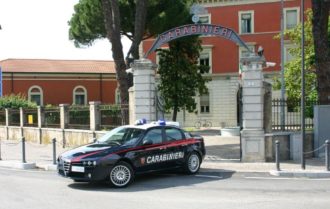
[88,150]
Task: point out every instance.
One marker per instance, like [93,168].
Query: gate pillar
[253,134]
[142,94]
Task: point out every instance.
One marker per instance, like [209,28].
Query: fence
[292,115]
[112,116]
[52,117]
[93,117]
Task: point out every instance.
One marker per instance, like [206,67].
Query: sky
[38,29]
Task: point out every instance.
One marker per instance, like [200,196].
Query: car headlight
[89,163]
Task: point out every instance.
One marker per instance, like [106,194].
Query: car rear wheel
[121,174]
[193,163]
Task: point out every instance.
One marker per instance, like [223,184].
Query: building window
[246,22]
[205,57]
[36,95]
[244,52]
[287,55]
[79,95]
[205,19]
[291,17]
[204,103]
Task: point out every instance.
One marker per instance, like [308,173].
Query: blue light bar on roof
[141,121]
[162,122]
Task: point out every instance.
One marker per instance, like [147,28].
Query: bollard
[23,150]
[327,149]
[54,151]
[277,155]
[0,149]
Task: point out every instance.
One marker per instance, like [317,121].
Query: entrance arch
[196,29]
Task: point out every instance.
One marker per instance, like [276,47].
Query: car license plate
[78,169]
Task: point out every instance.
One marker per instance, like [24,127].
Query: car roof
[151,125]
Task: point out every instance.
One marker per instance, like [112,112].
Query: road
[44,189]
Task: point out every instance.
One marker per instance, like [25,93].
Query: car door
[176,146]
[149,156]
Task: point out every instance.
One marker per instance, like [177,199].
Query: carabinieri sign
[196,29]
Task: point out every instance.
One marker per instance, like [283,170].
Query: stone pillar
[41,122]
[21,120]
[94,115]
[142,100]
[41,116]
[64,116]
[253,135]
[7,111]
[64,120]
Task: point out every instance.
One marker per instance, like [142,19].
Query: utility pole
[282,114]
[302,85]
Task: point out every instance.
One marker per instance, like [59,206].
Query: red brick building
[60,81]
[256,22]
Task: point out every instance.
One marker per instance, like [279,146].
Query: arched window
[79,95]
[35,95]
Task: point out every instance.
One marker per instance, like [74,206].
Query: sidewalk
[223,155]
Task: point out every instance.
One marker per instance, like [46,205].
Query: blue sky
[38,29]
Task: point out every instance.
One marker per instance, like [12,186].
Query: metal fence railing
[74,117]
[292,115]
[31,117]
[2,117]
[113,116]
[14,117]
[52,117]
[79,117]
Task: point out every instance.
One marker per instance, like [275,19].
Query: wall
[58,88]
[289,145]
[70,137]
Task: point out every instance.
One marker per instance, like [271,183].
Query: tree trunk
[175,113]
[322,51]
[139,26]
[112,25]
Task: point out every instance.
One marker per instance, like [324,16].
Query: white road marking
[292,178]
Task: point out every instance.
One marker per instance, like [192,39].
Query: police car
[130,150]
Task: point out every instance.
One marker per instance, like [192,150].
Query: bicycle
[203,123]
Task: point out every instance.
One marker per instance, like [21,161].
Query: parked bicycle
[203,123]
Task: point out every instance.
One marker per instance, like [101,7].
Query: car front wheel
[193,163]
[121,174]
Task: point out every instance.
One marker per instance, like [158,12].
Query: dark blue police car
[129,150]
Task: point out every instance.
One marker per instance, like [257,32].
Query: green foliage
[180,75]
[292,72]
[15,102]
[87,23]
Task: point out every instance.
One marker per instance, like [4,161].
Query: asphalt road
[42,189]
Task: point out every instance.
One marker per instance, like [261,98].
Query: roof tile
[57,66]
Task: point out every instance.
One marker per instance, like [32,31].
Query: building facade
[60,81]
[257,22]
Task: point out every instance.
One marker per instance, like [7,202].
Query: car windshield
[121,136]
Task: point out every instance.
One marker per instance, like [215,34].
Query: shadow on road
[156,181]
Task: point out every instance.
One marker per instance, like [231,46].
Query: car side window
[154,135]
[132,136]
[173,134]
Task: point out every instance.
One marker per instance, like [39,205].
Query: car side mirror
[147,142]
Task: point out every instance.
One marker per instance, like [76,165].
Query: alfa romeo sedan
[130,150]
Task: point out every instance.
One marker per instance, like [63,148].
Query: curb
[17,165]
[47,167]
[308,174]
